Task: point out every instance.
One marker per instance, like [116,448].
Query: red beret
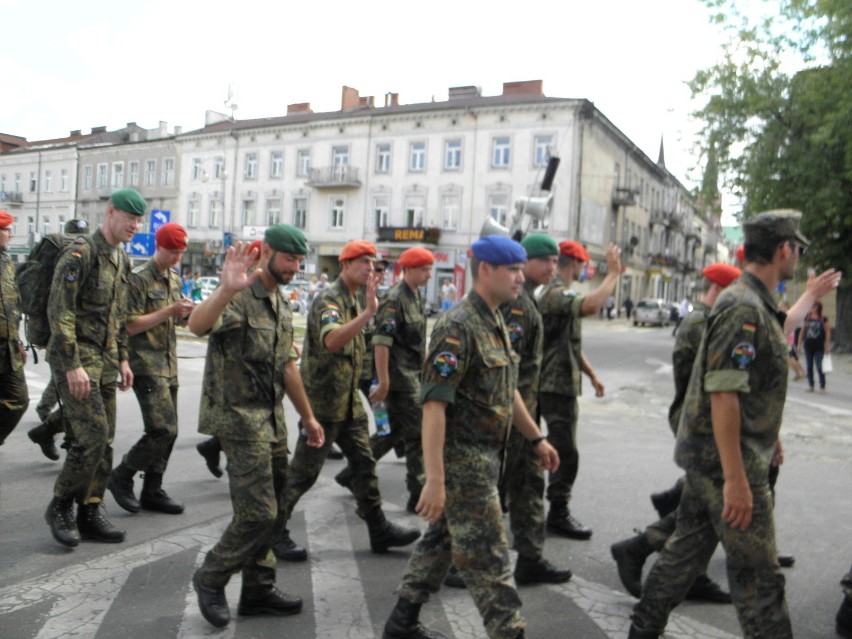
[6,220]
[416,256]
[574,249]
[255,246]
[356,248]
[741,254]
[721,274]
[171,236]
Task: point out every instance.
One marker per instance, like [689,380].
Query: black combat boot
[560,521]
[121,487]
[705,589]
[93,525]
[404,623]
[454,578]
[267,600]
[630,556]
[344,478]
[843,620]
[640,633]
[667,501]
[539,571]
[385,535]
[153,496]
[212,602]
[43,438]
[287,550]
[209,450]
[60,518]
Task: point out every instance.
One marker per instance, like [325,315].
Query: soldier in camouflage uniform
[368,369]
[470,402]
[156,305]
[14,398]
[331,366]
[726,438]
[87,352]
[630,554]
[844,614]
[563,364]
[250,365]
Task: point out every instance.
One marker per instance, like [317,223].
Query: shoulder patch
[516,331]
[446,363]
[72,273]
[388,327]
[453,341]
[743,355]
[517,311]
[569,293]
[330,316]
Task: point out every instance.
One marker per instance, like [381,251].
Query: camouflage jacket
[563,341]
[683,357]
[401,326]
[247,351]
[471,366]
[86,307]
[153,352]
[331,379]
[744,351]
[526,333]
[10,314]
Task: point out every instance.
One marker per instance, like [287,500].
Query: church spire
[661,160]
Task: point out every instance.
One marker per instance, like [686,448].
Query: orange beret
[416,256]
[6,220]
[721,274]
[356,248]
[574,249]
[740,254]
[255,246]
[171,236]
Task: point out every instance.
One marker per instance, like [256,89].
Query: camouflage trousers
[560,413]
[257,476]
[353,439]
[158,400]
[406,416]
[48,400]
[14,397]
[90,430]
[471,536]
[523,484]
[755,580]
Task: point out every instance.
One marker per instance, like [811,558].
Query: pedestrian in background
[815,337]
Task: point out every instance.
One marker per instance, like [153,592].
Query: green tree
[778,120]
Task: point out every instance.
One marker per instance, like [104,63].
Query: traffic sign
[159,218]
[142,245]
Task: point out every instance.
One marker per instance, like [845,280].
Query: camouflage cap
[775,225]
[129,201]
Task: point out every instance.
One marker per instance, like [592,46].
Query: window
[340,155]
[150,172]
[498,207]
[33,182]
[133,177]
[500,152]
[250,168]
[30,224]
[541,153]
[103,179]
[63,181]
[303,162]
[168,171]
[300,212]
[453,155]
[415,205]
[337,211]
[118,175]
[197,171]
[219,168]
[2,183]
[381,209]
[17,182]
[193,213]
[215,213]
[276,164]
[383,158]
[87,178]
[45,224]
[248,212]
[450,210]
[273,212]
[417,157]
[48,181]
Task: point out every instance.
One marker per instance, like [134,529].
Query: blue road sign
[159,218]
[142,245]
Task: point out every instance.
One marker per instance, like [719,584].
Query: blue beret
[497,249]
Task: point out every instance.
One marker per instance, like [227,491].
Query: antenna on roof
[230,105]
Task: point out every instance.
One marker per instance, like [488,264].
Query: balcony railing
[11,198]
[334,177]
[623,196]
[669,219]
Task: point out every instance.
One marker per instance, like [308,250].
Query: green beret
[129,201]
[287,239]
[774,226]
[540,245]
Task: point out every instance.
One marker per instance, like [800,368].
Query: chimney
[76,132]
[460,93]
[98,129]
[367,101]
[299,107]
[163,129]
[134,136]
[525,87]
[178,130]
[130,124]
[350,99]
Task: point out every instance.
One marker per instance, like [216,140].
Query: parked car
[651,311]
[208,284]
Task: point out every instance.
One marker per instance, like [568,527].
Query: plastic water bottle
[380,412]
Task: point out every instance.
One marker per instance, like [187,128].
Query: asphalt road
[140,589]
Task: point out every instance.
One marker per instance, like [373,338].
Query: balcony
[669,219]
[623,196]
[341,176]
[13,199]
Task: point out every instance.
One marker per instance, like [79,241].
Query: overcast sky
[75,65]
